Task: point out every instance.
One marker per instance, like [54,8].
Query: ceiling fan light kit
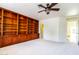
[48,8]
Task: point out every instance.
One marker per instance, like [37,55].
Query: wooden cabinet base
[10,40]
[0,42]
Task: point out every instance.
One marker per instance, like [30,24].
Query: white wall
[62,29]
[55,29]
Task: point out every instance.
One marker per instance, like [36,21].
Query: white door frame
[76,19]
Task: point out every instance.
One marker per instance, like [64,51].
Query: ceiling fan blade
[41,11]
[52,4]
[55,9]
[42,6]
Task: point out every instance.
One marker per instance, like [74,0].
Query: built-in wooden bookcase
[9,23]
[15,28]
[23,25]
[30,22]
[36,26]
[33,26]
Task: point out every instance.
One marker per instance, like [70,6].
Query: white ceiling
[31,9]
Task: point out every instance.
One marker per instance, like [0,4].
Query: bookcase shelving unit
[9,23]
[16,28]
[36,27]
[23,29]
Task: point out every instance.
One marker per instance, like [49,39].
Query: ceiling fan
[48,8]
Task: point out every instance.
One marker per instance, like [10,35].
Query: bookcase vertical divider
[27,26]
[17,24]
[2,23]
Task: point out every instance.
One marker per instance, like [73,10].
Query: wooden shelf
[10,17]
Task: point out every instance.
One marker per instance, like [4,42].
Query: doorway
[73,29]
